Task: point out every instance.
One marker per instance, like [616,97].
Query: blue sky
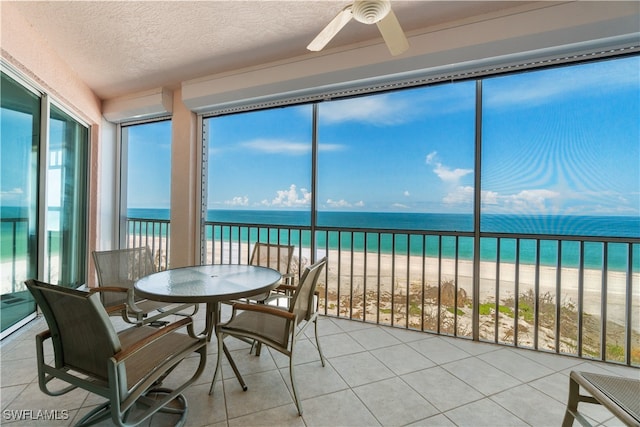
[557,141]
[149,169]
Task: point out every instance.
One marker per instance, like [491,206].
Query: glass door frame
[43,161]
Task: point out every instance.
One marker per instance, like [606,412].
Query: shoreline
[408,269]
[352,265]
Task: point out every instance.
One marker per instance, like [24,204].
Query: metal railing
[15,236]
[18,242]
[153,233]
[572,295]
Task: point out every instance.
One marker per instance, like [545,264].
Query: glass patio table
[209,284]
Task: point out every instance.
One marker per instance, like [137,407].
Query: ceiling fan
[368,12]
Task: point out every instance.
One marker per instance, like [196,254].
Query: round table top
[207,283]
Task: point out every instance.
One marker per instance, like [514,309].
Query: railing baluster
[456,281]
[604,302]
[364,279]
[516,295]
[558,296]
[408,281]
[628,304]
[580,299]
[393,277]
[439,298]
[536,298]
[230,243]
[497,293]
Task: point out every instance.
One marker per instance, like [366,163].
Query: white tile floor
[375,375]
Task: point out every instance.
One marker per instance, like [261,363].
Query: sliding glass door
[43,198]
[19,148]
[66,201]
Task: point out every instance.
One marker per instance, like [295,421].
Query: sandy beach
[409,270]
[384,277]
[350,269]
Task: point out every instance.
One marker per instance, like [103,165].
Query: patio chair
[126,367]
[276,327]
[277,257]
[619,395]
[117,271]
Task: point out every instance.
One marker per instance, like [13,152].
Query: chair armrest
[290,288]
[44,335]
[263,308]
[120,307]
[157,335]
[130,306]
[108,289]
[288,278]
[115,308]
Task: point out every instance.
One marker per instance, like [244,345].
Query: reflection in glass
[66,202]
[20,136]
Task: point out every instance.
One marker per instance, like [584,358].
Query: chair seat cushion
[250,323]
[153,355]
[623,393]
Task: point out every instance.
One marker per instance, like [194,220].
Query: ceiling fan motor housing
[370,11]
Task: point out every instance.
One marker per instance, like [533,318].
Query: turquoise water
[613,226]
[414,245]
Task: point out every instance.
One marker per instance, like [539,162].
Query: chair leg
[572,403]
[293,384]
[315,331]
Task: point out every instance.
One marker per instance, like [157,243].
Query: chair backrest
[302,304]
[273,256]
[122,267]
[82,334]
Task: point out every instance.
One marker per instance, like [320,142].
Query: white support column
[185,197]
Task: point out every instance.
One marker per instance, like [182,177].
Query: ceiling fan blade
[331,29]
[392,34]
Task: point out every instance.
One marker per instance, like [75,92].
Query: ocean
[592,226]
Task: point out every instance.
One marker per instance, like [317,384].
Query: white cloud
[381,110]
[238,201]
[444,172]
[562,82]
[399,206]
[530,200]
[338,203]
[277,146]
[599,209]
[490,197]
[461,195]
[526,201]
[343,203]
[431,157]
[406,193]
[290,198]
[291,148]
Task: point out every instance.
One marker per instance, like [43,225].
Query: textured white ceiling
[120,47]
